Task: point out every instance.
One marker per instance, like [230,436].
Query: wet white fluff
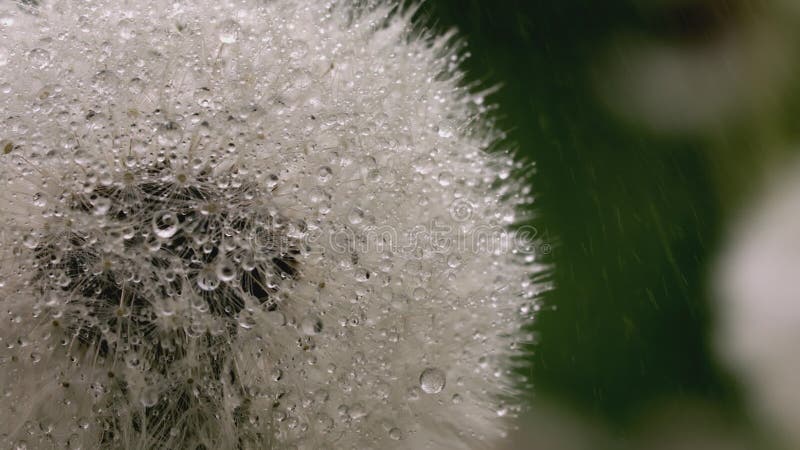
[248,225]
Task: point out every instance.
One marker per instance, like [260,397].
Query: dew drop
[276,318]
[169,134]
[446,130]
[247,321]
[149,397]
[356,216]
[324,174]
[39,57]
[226,271]
[413,393]
[30,241]
[152,245]
[502,410]
[132,361]
[105,81]
[81,157]
[362,275]
[228,31]
[311,325]
[432,380]
[357,411]
[136,86]
[203,97]
[207,280]
[454,261]
[445,179]
[101,206]
[248,263]
[165,224]
[127,29]
[316,195]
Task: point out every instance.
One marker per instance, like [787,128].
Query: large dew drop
[165,224]
[229,31]
[432,380]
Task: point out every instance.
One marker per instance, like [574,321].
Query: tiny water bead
[207,280]
[432,380]
[247,321]
[169,134]
[150,396]
[39,58]
[395,434]
[229,30]
[165,224]
[226,271]
[325,174]
[311,325]
[127,29]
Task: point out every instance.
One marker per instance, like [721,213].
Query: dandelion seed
[242,226]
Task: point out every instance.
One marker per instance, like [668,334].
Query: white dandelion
[251,224]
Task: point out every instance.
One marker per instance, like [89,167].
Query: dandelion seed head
[248,224]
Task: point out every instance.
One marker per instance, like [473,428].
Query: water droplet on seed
[226,271]
[39,57]
[169,134]
[356,216]
[228,31]
[247,321]
[432,380]
[101,206]
[127,29]
[165,224]
[207,280]
[324,174]
[311,325]
[149,397]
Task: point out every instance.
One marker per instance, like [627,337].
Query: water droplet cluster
[218,231]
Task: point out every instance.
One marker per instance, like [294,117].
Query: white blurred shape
[758,281]
[696,86]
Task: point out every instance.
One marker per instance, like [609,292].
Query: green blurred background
[648,124]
